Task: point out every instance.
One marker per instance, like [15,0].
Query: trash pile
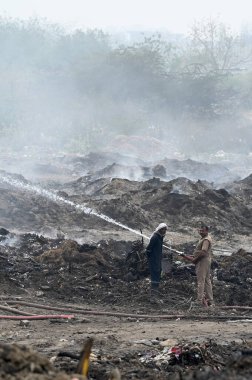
[181,202]
[181,354]
[186,361]
[199,360]
[136,262]
[20,362]
[111,272]
[235,274]
[57,266]
[242,189]
[165,168]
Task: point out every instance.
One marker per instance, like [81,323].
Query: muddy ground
[54,254]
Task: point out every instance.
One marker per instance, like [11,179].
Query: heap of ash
[111,272]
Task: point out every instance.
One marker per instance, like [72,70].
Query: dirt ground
[122,342]
[55,255]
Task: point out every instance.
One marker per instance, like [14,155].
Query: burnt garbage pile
[194,170]
[242,189]
[163,359]
[238,367]
[59,266]
[180,202]
[88,270]
[19,266]
[62,268]
[115,165]
[95,161]
[20,362]
[232,283]
[186,203]
[171,359]
[136,262]
[110,272]
[205,360]
[234,278]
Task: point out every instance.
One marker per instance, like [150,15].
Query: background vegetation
[79,91]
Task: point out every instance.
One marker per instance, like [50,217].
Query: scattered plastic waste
[180,354]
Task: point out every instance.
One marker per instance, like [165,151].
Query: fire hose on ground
[137,316]
[36,317]
[23,315]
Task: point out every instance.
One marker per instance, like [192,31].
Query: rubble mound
[181,202]
[185,360]
[95,161]
[118,186]
[70,252]
[66,252]
[21,363]
[205,361]
[242,189]
[238,265]
[240,369]
[194,170]
[182,185]
[114,164]
[236,272]
[112,272]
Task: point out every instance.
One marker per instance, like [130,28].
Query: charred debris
[52,252]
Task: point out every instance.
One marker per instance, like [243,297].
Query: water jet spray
[60,200]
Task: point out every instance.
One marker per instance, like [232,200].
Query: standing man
[202,260]
[154,253]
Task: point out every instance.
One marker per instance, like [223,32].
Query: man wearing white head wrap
[160,227]
[154,253]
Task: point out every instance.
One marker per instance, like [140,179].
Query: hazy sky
[174,15]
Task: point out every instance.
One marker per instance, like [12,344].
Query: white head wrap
[160,226]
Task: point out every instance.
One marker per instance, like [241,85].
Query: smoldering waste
[108,271]
[100,273]
[184,361]
[74,257]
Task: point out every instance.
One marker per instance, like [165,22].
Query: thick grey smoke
[159,96]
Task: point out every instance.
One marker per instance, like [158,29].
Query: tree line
[79,90]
